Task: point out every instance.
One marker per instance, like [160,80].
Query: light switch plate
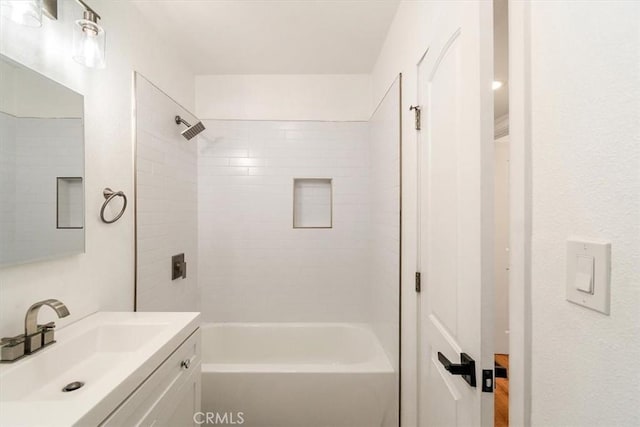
[594,292]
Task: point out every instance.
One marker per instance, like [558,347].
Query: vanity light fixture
[497,84]
[89,39]
[29,12]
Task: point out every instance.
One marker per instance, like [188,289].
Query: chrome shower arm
[180,120]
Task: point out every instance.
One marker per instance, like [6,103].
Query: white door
[456,216]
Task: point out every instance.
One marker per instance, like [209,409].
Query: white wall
[26,93]
[7,185]
[330,97]
[167,208]
[585,140]
[254,266]
[102,278]
[7,100]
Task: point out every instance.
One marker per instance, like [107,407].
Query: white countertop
[111,352]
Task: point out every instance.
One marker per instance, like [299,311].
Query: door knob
[466,367]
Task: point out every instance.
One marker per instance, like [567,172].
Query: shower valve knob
[178,267]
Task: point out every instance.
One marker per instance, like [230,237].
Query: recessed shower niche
[69,203]
[312,203]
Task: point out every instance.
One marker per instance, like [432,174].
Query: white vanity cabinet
[170,396]
[135,369]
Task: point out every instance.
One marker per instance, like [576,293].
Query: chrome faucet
[38,336]
[35,336]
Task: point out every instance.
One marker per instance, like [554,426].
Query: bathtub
[297,375]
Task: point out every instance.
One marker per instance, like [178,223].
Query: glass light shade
[89,44]
[24,12]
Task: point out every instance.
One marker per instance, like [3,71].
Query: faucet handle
[47,331]
[9,341]
[47,326]
[11,348]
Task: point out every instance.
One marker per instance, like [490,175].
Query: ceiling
[274,36]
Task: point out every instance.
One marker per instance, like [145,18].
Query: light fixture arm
[88,8]
[50,8]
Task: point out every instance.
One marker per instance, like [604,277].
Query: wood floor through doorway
[501,394]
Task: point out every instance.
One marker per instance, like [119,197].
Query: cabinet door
[188,404]
[160,397]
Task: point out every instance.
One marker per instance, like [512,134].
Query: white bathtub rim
[378,363]
[301,368]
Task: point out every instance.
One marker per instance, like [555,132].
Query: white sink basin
[111,353]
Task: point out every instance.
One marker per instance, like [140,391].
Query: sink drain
[72,386]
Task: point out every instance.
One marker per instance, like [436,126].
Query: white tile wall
[166,207]
[35,151]
[254,266]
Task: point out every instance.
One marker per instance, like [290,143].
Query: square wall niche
[70,203]
[312,203]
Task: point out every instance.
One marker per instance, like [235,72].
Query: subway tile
[246,161]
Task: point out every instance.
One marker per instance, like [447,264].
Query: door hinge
[418,113]
[487,380]
[418,281]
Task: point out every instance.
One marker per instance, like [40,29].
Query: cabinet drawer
[157,392]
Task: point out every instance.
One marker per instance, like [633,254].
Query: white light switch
[588,274]
[584,274]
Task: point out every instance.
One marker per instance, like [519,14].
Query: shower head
[190,131]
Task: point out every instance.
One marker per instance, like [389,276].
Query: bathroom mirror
[41,167]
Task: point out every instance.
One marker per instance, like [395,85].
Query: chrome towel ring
[109,195]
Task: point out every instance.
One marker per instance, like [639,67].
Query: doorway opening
[501,210]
